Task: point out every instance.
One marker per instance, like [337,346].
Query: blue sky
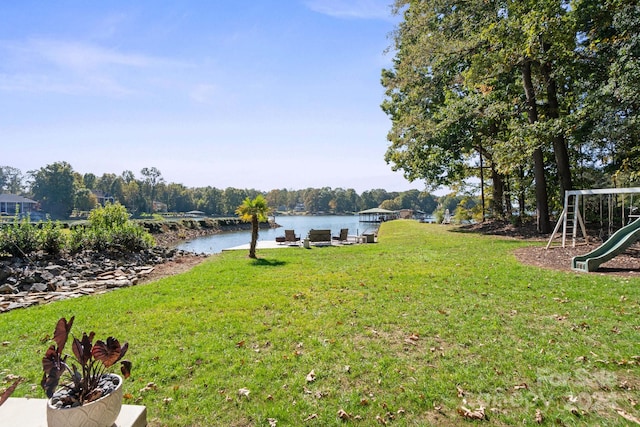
[257,94]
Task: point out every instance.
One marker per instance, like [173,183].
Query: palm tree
[253,211]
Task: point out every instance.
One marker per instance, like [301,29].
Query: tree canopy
[539,95]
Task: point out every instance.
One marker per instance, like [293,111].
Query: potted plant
[92,395]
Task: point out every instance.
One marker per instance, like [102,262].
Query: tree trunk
[542,203]
[507,197]
[559,144]
[498,194]
[254,236]
[521,195]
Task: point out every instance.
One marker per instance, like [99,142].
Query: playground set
[571,219]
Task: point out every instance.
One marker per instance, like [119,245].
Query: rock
[39,287]
[5,272]
[6,288]
[54,269]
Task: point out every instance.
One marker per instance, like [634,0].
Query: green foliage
[85,200]
[109,227]
[52,238]
[19,238]
[108,217]
[253,211]
[79,239]
[54,186]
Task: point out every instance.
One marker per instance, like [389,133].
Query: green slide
[615,245]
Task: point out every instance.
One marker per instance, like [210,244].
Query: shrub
[52,239]
[110,227]
[19,238]
[108,217]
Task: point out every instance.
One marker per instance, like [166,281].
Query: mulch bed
[556,257]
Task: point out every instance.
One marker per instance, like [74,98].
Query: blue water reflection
[301,224]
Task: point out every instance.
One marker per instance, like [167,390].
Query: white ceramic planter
[99,413]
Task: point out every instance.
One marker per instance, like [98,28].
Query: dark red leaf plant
[93,361]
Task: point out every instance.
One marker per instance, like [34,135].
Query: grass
[407,332]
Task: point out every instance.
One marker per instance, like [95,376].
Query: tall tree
[11,180]
[254,211]
[152,177]
[54,187]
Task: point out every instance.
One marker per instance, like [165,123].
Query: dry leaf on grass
[311,376]
[539,417]
[149,386]
[477,414]
[244,392]
[412,339]
[311,417]
[343,415]
[627,416]
[272,422]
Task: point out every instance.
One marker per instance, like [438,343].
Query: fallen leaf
[477,414]
[627,416]
[149,386]
[240,344]
[311,417]
[311,376]
[244,392]
[381,420]
[343,415]
[539,417]
[412,339]
[461,392]
[167,400]
[272,422]
[522,386]
[128,396]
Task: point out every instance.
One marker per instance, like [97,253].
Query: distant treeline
[60,190]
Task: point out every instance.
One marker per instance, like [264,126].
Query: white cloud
[354,9]
[59,66]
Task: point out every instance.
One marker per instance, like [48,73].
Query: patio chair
[290,236]
[343,235]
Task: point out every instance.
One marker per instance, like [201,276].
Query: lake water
[300,223]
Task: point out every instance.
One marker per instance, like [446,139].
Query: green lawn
[407,332]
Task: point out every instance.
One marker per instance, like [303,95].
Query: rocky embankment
[40,279]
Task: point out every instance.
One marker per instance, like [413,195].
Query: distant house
[103,198]
[159,206]
[405,213]
[11,204]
